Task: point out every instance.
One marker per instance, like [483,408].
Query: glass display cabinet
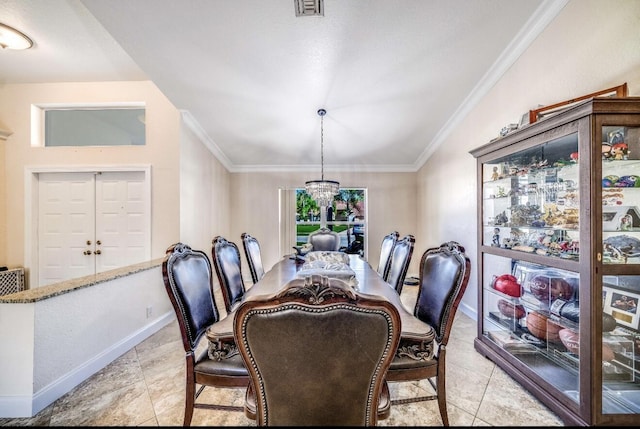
[559,259]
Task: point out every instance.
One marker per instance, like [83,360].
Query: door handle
[87,252]
[97,252]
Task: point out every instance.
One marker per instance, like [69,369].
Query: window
[347,216]
[103,125]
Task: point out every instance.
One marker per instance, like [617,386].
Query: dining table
[417,337]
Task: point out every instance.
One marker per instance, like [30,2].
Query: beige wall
[161,152]
[255,209]
[204,195]
[591,45]
[3,203]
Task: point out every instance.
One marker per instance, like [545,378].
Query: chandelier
[322,191]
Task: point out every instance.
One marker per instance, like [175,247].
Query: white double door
[89,222]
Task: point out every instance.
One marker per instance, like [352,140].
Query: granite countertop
[55,289]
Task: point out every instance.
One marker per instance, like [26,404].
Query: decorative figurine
[501,219]
[619,151]
[626,223]
[628,181]
[495,175]
[496,237]
[616,136]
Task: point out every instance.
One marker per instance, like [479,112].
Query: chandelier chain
[322,191]
[322,147]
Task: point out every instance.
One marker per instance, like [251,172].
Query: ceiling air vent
[309,7]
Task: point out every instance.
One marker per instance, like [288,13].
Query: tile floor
[145,387]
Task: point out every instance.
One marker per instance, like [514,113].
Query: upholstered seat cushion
[406,362]
[416,330]
[232,367]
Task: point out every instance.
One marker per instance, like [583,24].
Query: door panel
[66,223]
[91,222]
[121,220]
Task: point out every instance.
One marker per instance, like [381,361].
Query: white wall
[52,345]
[590,46]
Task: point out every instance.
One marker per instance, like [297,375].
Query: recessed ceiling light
[10,38]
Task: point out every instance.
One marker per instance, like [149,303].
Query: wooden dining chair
[226,260]
[254,258]
[324,239]
[399,263]
[388,243]
[444,275]
[317,354]
[188,281]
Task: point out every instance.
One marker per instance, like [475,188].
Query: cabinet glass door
[531,200]
[621,251]
[620,196]
[531,203]
[531,311]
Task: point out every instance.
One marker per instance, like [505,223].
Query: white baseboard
[471,312]
[29,406]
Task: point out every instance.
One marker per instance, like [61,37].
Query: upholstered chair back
[400,260]
[317,353]
[388,243]
[187,278]
[444,274]
[226,260]
[324,239]
[253,255]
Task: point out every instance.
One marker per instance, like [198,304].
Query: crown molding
[543,16]
[194,126]
[305,168]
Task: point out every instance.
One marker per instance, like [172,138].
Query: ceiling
[394,76]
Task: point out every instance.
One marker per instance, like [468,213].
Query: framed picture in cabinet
[622,305]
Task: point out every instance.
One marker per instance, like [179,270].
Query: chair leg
[189,400]
[442,391]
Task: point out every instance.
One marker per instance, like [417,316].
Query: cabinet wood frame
[586,119]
